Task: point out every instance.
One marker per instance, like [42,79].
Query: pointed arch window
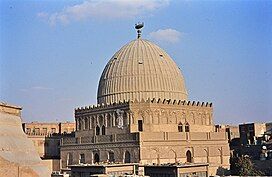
[111,156]
[189,156]
[187,127]
[96,158]
[79,124]
[103,130]
[140,125]
[180,127]
[97,130]
[82,158]
[86,124]
[127,157]
[93,122]
[69,158]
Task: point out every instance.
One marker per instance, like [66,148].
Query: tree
[243,166]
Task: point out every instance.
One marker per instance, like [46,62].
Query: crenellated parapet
[151,101]
[174,102]
[102,106]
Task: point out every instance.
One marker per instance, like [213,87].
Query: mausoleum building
[144,116]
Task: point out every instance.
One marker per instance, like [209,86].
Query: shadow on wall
[221,171]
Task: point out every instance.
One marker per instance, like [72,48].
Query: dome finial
[139,27]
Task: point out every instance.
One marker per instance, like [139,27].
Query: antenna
[138,27]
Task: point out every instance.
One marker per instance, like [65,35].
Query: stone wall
[156,116]
[169,130]
[46,146]
[18,156]
[10,169]
[170,147]
[102,150]
[155,147]
[52,164]
[39,143]
[102,145]
[166,115]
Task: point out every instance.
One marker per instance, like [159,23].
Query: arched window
[180,127]
[187,127]
[127,157]
[111,156]
[97,130]
[100,120]
[96,158]
[79,124]
[189,156]
[81,158]
[140,125]
[108,120]
[86,124]
[69,158]
[93,122]
[103,130]
[208,119]
[82,124]
[207,155]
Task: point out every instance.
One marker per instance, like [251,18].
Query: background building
[233,137]
[41,128]
[255,143]
[252,133]
[46,138]
[231,130]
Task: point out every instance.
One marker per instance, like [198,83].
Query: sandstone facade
[152,131]
[18,156]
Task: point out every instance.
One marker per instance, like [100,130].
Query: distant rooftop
[4,104]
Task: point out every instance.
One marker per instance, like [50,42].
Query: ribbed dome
[140,70]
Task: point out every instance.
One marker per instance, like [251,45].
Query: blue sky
[53,52]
